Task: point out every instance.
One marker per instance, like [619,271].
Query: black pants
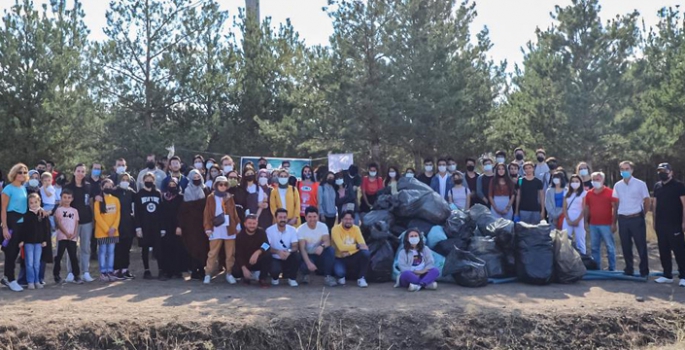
[122,253]
[174,256]
[353,266]
[70,247]
[157,251]
[288,267]
[629,230]
[197,268]
[330,222]
[670,241]
[263,265]
[12,249]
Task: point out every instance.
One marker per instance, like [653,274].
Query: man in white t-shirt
[633,202]
[315,247]
[284,249]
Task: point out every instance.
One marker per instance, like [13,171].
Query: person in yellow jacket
[351,252]
[286,197]
[107,218]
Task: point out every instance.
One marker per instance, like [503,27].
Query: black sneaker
[58,279]
[147,275]
[128,275]
[78,280]
[118,276]
[4,281]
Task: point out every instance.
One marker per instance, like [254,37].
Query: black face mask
[307,176]
[149,184]
[150,165]
[519,156]
[107,191]
[552,165]
[249,178]
[459,181]
[663,176]
[470,168]
[197,182]
[173,190]
[541,159]
[262,166]
[331,182]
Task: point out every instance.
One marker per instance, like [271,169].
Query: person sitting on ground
[252,258]
[315,245]
[284,249]
[351,252]
[416,263]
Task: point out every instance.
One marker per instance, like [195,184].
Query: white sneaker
[274,282]
[255,275]
[362,283]
[432,286]
[31,286]
[15,287]
[682,282]
[330,281]
[87,278]
[70,278]
[208,279]
[230,279]
[292,283]
[663,280]
[414,287]
[341,281]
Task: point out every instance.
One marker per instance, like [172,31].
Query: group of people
[260,224]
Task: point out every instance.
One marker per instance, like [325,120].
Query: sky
[511,23]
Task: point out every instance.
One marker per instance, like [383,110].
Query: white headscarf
[193,192]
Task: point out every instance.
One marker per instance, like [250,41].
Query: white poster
[338,162]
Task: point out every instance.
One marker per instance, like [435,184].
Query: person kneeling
[252,253]
[352,254]
[416,263]
[315,247]
[284,249]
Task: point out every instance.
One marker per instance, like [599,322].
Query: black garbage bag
[434,208]
[409,203]
[459,224]
[568,265]
[466,268]
[423,225]
[445,247]
[503,232]
[483,222]
[380,265]
[375,216]
[509,263]
[406,183]
[534,253]
[397,229]
[589,262]
[477,211]
[486,249]
[385,202]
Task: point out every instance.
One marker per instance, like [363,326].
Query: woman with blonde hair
[14,207]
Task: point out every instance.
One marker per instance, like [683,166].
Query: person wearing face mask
[33,185]
[107,218]
[584,171]
[175,257]
[122,250]
[483,182]
[199,163]
[417,267]
[391,180]
[459,195]
[519,158]
[500,157]
[471,179]
[292,180]
[410,173]
[599,212]
[371,185]
[212,174]
[262,163]
[501,195]
[264,216]
[221,225]
[150,166]
[120,168]
[83,202]
[247,195]
[351,252]
[442,181]
[428,172]
[530,200]
[574,202]
[554,201]
[345,197]
[190,225]
[148,222]
[542,169]
[286,197]
[451,165]
[669,223]
[633,203]
[326,199]
[308,190]
[175,171]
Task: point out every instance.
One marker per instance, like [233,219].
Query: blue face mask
[625,174]
[96,172]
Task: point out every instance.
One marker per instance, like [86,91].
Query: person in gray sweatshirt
[326,200]
[416,263]
[554,199]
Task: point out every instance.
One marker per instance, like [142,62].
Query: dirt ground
[178,314]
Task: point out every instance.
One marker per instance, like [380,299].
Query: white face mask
[339,182]
[124,185]
[198,165]
[556,181]
[575,185]
[33,183]
[121,169]
[597,184]
[392,174]
[584,172]
[228,169]
[442,168]
[414,240]
[409,175]
[263,181]
[209,165]
[428,168]
[487,167]
[452,167]
[283,180]
[373,173]
[500,160]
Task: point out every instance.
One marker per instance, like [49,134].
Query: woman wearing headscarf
[175,256]
[264,216]
[190,224]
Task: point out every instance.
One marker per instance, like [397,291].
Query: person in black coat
[148,222]
[175,257]
[122,251]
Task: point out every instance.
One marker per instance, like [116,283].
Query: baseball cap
[664,166]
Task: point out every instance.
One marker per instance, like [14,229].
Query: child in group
[33,236]
[416,263]
[107,218]
[66,223]
[48,195]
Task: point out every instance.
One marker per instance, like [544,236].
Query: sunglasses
[283,244]
[22,172]
[222,185]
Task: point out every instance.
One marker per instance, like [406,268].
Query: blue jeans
[324,262]
[353,266]
[599,234]
[33,253]
[106,257]
[530,217]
